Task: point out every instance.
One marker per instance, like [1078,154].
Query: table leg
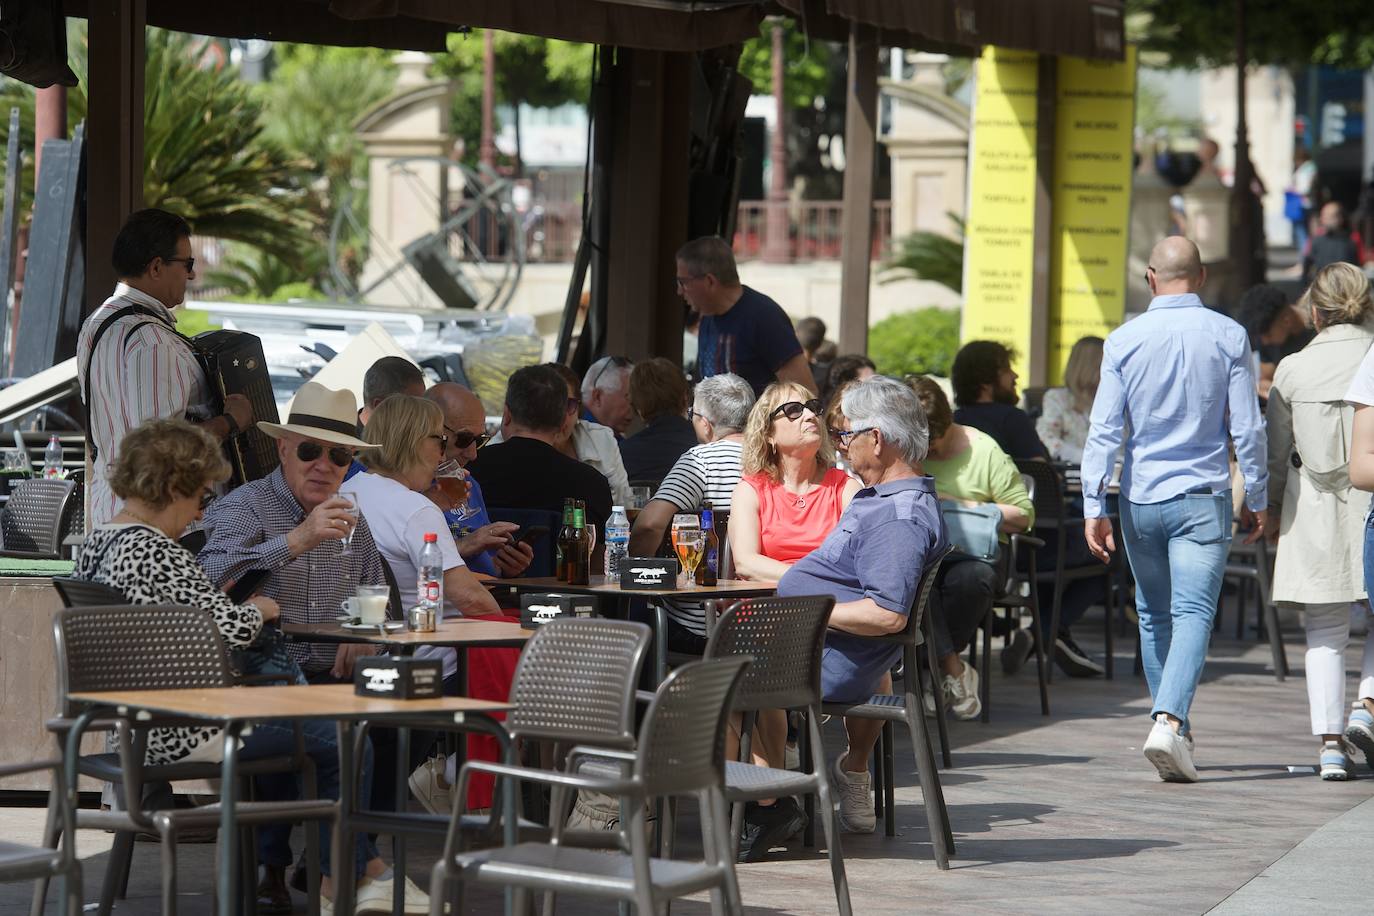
[398,842]
[660,643]
[229,891]
[343,827]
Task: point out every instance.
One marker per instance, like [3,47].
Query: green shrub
[922,341]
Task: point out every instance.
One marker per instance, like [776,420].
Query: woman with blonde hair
[1315,513]
[1063,423]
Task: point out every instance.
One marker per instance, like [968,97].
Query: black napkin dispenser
[537,609]
[647,573]
[398,678]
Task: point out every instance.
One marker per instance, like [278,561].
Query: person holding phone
[490,548]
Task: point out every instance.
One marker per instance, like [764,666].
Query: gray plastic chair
[681,751]
[25,863]
[907,708]
[80,593]
[785,638]
[31,523]
[157,647]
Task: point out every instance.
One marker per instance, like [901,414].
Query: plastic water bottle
[429,584]
[52,458]
[617,541]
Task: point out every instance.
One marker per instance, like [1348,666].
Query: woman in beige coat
[1321,527]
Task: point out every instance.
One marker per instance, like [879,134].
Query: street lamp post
[1247,267]
[777,244]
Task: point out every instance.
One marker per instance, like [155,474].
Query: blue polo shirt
[882,544]
[483,562]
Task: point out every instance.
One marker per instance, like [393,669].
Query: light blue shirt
[1174,382]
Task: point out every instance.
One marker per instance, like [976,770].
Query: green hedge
[920,342]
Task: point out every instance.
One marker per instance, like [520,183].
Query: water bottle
[429,585]
[617,541]
[52,458]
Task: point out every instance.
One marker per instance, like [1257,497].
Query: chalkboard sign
[55,276]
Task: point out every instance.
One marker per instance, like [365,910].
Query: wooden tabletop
[313,701]
[600,585]
[453,631]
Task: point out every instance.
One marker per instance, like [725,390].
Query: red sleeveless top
[790,527]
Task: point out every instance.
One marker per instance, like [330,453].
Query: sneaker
[1333,764]
[430,788]
[1016,651]
[791,757]
[1360,733]
[766,826]
[1170,752]
[962,694]
[1072,660]
[374,896]
[856,799]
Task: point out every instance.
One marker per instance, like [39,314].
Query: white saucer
[390,625]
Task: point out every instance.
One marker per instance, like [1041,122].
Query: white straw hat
[321,413]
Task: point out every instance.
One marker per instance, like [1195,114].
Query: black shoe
[1072,660]
[769,826]
[272,897]
[1016,651]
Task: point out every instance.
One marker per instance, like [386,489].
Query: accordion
[233,363]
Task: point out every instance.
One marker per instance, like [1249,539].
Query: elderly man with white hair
[606,393]
[872,563]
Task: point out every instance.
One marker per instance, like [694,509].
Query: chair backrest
[922,600]
[1047,491]
[785,638]
[81,593]
[137,647]
[576,680]
[682,741]
[546,548]
[31,522]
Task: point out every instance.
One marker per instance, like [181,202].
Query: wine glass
[452,481]
[688,544]
[346,544]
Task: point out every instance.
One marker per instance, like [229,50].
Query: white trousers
[1328,633]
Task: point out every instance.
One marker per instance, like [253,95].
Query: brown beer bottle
[566,542]
[579,571]
[709,568]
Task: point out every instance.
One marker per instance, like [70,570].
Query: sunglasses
[339,456]
[189,262]
[442,440]
[464,438]
[793,410]
[613,362]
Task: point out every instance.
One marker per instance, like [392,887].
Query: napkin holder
[398,678]
[648,573]
[539,608]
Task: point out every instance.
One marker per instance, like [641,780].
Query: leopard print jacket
[151,568]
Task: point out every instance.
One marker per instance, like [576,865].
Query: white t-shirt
[1361,392]
[399,518]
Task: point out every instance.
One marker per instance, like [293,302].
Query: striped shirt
[247,530]
[141,371]
[704,473]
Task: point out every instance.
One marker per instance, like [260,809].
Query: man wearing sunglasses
[485,546]
[291,524]
[132,364]
[742,331]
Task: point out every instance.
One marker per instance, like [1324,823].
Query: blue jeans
[321,740]
[1369,551]
[1177,549]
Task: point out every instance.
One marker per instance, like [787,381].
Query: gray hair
[724,400]
[893,409]
[602,374]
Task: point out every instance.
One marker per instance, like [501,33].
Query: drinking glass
[346,544]
[688,543]
[452,480]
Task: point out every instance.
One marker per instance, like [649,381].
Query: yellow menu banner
[1000,227]
[1094,122]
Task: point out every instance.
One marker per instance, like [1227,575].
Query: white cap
[615,509]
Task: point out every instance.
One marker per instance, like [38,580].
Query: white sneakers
[374,896]
[430,788]
[1170,752]
[856,799]
[961,693]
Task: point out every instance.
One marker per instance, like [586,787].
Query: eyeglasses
[339,456]
[1148,270]
[464,438]
[683,281]
[843,436]
[693,413]
[442,440]
[189,262]
[612,362]
[793,410]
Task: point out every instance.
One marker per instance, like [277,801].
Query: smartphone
[531,534]
[247,585]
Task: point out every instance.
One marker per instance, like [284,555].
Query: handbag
[973,530]
[1293,210]
[266,657]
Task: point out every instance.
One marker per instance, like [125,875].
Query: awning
[1077,28]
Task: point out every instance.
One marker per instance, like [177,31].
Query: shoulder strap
[114,539]
[124,312]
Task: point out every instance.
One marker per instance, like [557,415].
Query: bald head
[1176,267]
[463,413]
[1333,216]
